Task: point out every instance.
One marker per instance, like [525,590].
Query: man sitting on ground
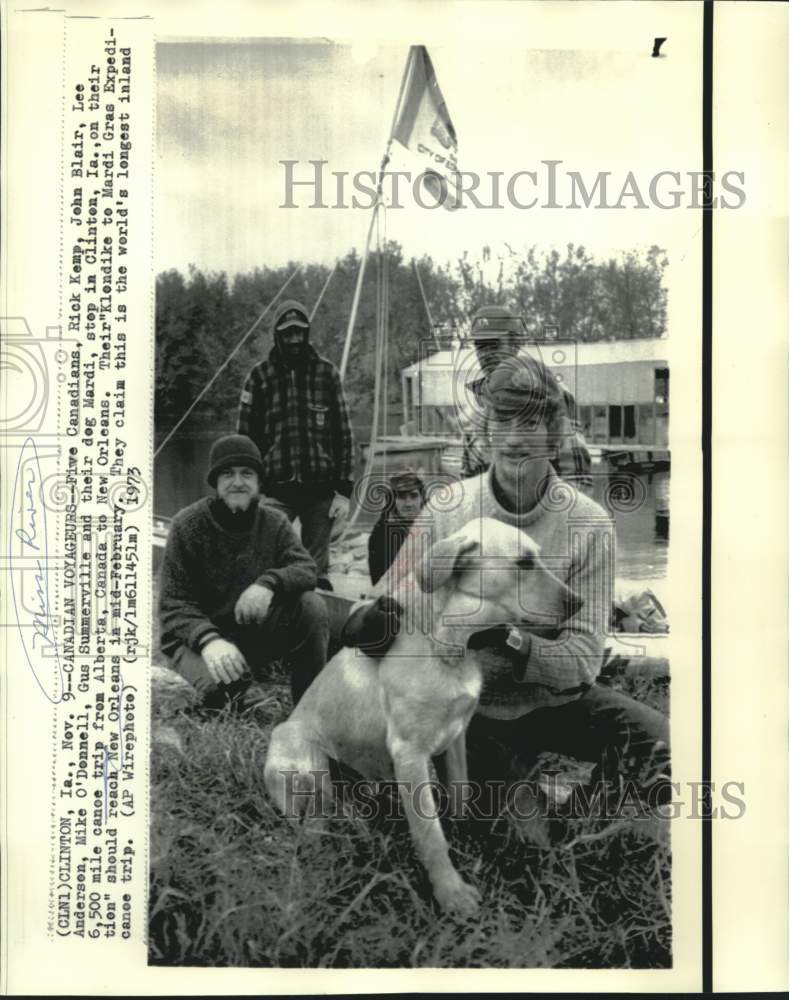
[541,693]
[237,586]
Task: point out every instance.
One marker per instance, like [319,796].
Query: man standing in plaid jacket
[294,409]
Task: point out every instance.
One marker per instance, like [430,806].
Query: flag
[423,126]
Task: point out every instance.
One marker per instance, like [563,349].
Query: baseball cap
[490,322]
[291,313]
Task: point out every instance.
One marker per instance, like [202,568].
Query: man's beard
[235,518]
[293,353]
[239,504]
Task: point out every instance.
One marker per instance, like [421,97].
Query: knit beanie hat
[233,449]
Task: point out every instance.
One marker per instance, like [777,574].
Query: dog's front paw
[456,896]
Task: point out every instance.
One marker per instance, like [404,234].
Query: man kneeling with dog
[237,587]
[540,692]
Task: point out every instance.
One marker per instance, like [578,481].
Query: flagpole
[346,350]
[379,344]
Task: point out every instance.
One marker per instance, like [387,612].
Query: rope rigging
[228,359]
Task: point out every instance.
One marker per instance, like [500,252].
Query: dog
[386,718]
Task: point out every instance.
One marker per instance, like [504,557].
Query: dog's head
[488,573]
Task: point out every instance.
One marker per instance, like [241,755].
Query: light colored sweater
[577,543]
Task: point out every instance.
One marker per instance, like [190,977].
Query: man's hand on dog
[374,627]
[254,604]
[224,661]
[505,639]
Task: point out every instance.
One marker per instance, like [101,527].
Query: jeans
[311,505]
[295,631]
[622,737]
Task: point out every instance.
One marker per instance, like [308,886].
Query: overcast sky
[229,111]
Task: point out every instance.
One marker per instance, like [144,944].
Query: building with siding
[621,388]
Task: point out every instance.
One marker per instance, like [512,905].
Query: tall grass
[232,884]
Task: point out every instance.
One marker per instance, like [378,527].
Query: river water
[642,526]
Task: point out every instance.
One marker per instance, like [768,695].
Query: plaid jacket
[573,461]
[298,418]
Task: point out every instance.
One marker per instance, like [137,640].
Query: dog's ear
[442,560]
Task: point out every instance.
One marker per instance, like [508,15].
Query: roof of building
[560,353]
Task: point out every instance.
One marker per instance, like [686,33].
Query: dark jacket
[298,418]
[385,542]
[207,566]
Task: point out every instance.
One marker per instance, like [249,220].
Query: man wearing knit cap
[542,695]
[294,409]
[237,586]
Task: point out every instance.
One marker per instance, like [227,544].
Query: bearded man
[237,586]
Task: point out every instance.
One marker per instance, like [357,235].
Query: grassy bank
[232,884]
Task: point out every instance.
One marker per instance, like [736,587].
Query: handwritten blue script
[29,527]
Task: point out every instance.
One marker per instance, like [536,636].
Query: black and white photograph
[392,504]
[410,701]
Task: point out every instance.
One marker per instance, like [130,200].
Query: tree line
[201,316]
